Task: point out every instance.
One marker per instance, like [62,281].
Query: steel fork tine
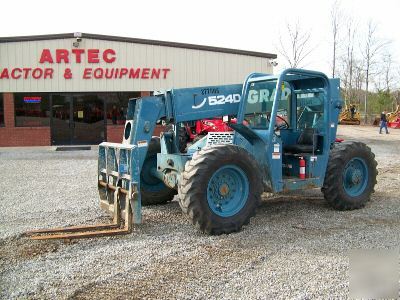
[72,228]
[75,232]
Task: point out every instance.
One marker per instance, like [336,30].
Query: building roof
[135,40]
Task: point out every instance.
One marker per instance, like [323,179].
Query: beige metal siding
[188,67]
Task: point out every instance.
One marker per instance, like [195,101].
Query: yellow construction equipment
[394,118]
[350,115]
[393,115]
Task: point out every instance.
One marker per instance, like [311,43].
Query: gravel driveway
[296,247]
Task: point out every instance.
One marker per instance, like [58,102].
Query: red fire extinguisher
[302,164]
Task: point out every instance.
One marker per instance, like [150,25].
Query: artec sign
[77,56]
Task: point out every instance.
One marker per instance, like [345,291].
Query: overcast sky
[248,25]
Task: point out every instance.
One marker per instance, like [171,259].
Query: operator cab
[294,123]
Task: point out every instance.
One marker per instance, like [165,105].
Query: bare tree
[397,77]
[385,82]
[348,61]
[336,19]
[372,48]
[359,79]
[396,93]
[294,46]
[388,76]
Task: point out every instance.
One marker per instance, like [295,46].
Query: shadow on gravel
[21,248]
[166,276]
[291,202]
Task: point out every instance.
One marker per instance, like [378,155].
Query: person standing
[352,111]
[383,123]
[114,115]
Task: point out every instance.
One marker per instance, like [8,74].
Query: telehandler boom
[283,139]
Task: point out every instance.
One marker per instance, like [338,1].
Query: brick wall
[9,116]
[24,136]
[114,133]
[11,136]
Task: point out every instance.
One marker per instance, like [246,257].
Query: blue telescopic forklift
[283,139]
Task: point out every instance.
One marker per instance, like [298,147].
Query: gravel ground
[296,247]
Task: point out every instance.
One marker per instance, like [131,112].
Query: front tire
[220,189]
[153,190]
[350,177]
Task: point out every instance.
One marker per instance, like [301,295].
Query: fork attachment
[86,231]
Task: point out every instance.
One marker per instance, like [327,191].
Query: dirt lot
[296,247]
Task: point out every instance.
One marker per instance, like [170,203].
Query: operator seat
[306,142]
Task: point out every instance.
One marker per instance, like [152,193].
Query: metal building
[74,88]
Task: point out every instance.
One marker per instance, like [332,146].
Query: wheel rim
[355,177]
[148,181]
[227,191]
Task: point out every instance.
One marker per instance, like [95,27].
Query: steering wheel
[254,122]
[284,125]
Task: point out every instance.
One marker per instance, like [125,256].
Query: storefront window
[32,110]
[117,105]
[1,110]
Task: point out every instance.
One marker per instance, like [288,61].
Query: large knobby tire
[351,176]
[220,189]
[152,189]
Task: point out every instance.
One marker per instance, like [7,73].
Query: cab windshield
[259,103]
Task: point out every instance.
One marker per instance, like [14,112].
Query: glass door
[77,119]
[88,120]
[61,127]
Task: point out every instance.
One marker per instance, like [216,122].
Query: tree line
[360,57]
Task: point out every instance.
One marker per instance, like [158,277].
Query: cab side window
[310,110]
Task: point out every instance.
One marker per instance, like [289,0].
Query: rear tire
[350,177]
[220,189]
[152,189]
